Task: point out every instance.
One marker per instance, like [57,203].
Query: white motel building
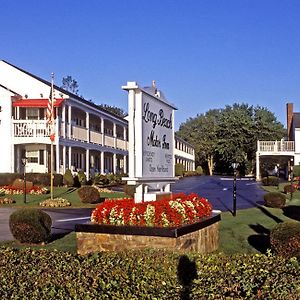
[87,137]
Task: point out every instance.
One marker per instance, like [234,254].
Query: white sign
[158,138]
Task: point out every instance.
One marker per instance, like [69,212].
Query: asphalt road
[218,190]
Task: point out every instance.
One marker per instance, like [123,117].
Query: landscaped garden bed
[184,222]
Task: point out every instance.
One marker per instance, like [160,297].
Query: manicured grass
[59,192]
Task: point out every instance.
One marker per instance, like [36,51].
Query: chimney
[289,123]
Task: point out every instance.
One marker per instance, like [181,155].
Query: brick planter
[202,237]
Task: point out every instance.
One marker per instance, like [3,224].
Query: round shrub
[275,199]
[30,225]
[68,178]
[285,239]
[289,189]
[89,194]
[199,170]
[81,178]
[270,180]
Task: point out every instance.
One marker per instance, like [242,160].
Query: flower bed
[180,209]
[34,190]
[56,202]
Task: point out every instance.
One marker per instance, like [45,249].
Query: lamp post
[24,161]
[292,176]
[234,166]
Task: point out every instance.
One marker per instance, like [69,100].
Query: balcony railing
[41,129]
[276,146]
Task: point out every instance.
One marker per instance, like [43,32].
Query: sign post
[151,142]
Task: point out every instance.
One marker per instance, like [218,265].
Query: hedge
[41,274]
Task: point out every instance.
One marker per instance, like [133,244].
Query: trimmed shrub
[287,189]
[275,199]
[285,239]
[145,275]
[8,178]
[199,170]
[81,178]
[103,180]
[68,179]
[296,171]
[30,225]
[270,180]
[89,194]
[178,169]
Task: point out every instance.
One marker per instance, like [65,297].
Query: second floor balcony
[276,147]
[28,131]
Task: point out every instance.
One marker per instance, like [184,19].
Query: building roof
[71,95]
[296,120]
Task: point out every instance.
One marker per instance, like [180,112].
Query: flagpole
[51,132]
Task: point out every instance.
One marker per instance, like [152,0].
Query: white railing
[121,144]
[276,146]
[95,137]
[31,128]
[40,128]
[108,141]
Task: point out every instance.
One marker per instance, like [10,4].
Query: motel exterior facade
[87,137]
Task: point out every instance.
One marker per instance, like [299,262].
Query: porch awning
[36,102]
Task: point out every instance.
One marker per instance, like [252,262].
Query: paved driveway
[219,191]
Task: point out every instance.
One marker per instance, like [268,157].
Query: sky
[202,54]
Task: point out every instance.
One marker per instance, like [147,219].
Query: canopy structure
[36,102]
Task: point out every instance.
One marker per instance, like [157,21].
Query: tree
[69,84]
[201,132]
[228,135]
[113,109]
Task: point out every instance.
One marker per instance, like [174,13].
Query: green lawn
[245,233]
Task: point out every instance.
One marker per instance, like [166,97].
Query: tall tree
[228,135]
[70,84]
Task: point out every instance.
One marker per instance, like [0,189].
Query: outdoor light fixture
[292,176]
[24,161]
[234,166]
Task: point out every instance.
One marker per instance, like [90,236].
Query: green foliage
[69,84]
[275,199]
[40,274]
[285,239]
[30,225]
[81,178]
[270,180]
[296,171]
[189,173]
[230,135]
[199,170]
[89,194]
[68,178]
[178,169]
[114,110]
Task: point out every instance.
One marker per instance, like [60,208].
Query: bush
[275,199]
[285,239]
[81,178]
[189,173]
[129,190]
[287,189]
[270,180]
[178,169]
[296,171]
[8,178]
[199,170]
[145,275]
[68,178]
[89,194]
[30,225]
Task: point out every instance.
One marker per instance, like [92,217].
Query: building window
[32,113]
[32,157]
[41,157]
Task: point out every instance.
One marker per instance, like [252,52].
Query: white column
[57,157]
[64,159]
[124,133]
[70,157]
[69,121]
[114,163]
[87,164]
[125,164]
[63,117]
[102,131]
[131,133]
[115,134]
[257,166]
[87,120]
[102,162]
